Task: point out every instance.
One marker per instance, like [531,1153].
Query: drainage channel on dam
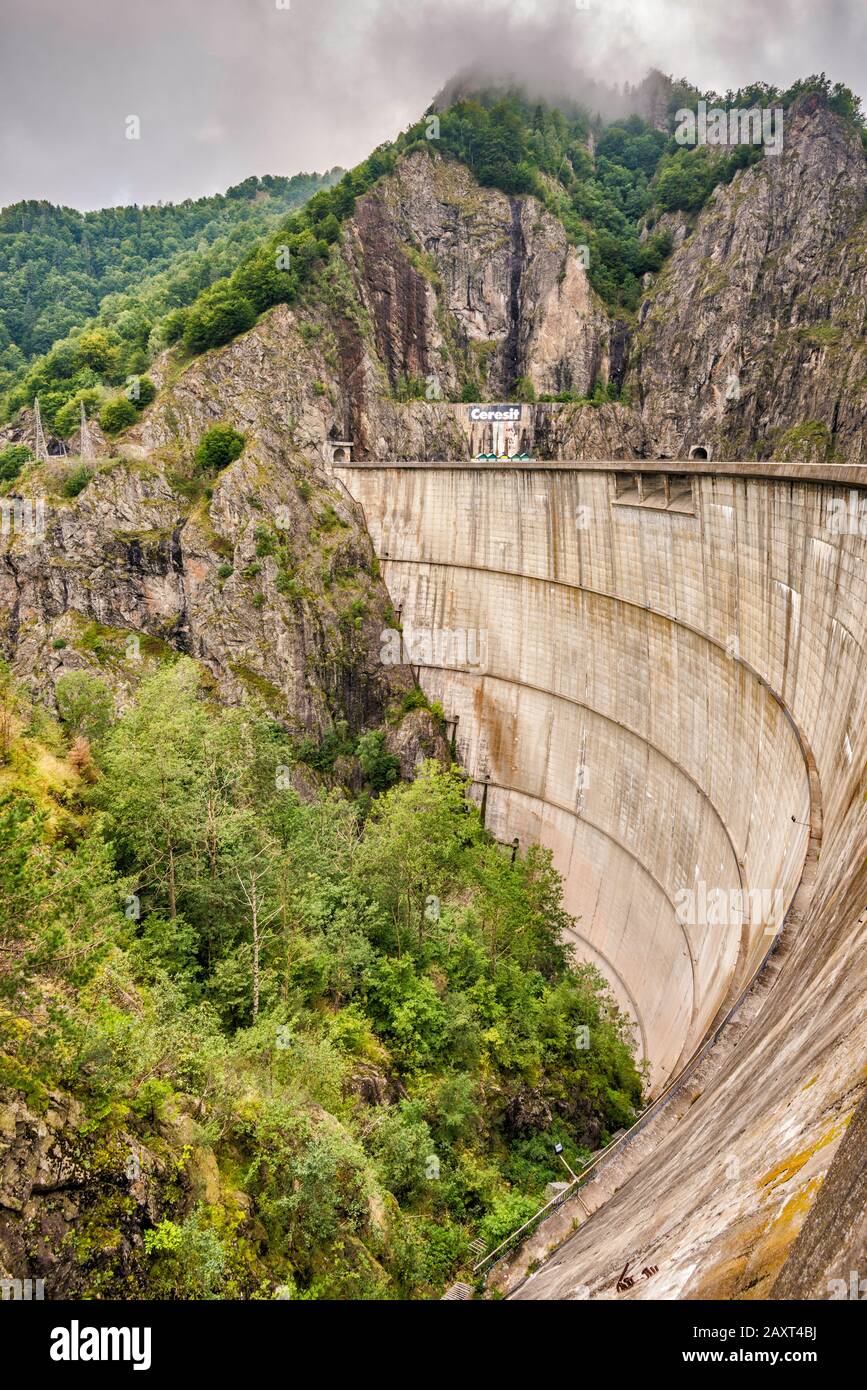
[703,670]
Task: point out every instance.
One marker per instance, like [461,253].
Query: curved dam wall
[661,677]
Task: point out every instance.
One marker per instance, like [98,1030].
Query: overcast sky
[228,88]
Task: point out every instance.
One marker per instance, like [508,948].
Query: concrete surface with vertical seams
[666,686]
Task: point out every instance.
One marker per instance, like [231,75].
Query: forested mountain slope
[58,266]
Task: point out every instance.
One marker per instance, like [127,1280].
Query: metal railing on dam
[666,685]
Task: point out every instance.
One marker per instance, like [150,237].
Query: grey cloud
[226,88]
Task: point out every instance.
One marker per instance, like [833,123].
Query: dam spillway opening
[660,678]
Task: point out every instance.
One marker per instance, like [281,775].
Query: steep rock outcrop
[437,281]
[73,1209]
[750,341]
[753,339]
[504,287]
[270,584]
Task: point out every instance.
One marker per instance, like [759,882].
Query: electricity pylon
[85,448]
[40,447]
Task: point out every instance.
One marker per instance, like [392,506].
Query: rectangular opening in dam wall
[659,492]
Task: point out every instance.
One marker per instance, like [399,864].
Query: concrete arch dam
[661,676]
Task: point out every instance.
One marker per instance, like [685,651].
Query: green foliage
[688,177]
[59,915]
[12,460]
[190,1260]
[85,704]
[218,447]
[507,1214]
[525,390]
[402,1144]
[287,964]
[76,481]
[217,316]
[117,414]
[523,147]
[145,392]
[68,417]
[126,274]
[380,767]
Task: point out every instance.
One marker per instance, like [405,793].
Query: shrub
[525,390]
[218,447]
[216,317]
[146,392]
[173,325]
[95,349]
[116,415]
[189,1260]
[507,1215]
[68,417]
[265,541]
[403,1146]
[76,481]
[380,767]
[85,705]
[12,460]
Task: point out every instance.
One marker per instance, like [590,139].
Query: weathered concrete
[833,1240]
[665,684]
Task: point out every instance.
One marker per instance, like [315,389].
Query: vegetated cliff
[753,338]
[438,285]
[269,582]
[750,340]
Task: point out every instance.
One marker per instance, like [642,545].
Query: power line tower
[85,447]
[40,447]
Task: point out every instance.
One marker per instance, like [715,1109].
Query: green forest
[355,1014]
[118,272]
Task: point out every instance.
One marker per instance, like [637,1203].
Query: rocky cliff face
[270,584]
[750,341]
[753,338]
[492,284]
[72,1212]
[437,282]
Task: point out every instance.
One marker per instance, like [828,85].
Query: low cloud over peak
[226,88]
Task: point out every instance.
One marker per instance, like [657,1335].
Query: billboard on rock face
[494,414]
[495,431]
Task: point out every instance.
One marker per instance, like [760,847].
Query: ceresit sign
[489,414]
